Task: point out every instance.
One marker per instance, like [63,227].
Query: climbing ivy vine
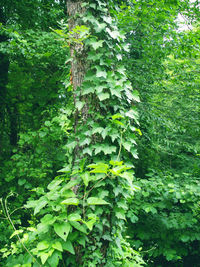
[80,219]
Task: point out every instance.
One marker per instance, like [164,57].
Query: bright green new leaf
[74,217]
[57,245]
[96,201]
[70,201]
[44,257]
[43,245]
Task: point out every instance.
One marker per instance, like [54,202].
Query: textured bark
[78,66]
[78,70]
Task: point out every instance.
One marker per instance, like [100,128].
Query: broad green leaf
[57,245]
[71,184]
[97,130]
[120,213]
[62,229]
[54,184]
[66,169]
[67,193]
[54,259]
[78,226]
[117,116]
[48,219]
[43,245]
[98,168]
[44,257]
[90,223]
[70,201]
[86,178]
[69,247]
[41,203]
[74,217]
[96,201]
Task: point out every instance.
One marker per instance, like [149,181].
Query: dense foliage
[99,126]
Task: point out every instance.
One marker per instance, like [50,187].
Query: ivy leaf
[96,201]
[108,149]
[88,151]
[113,34]
[103,96]
[97,130]
[132,114]
[79,105]
[90,223]
[127,146]
[95,44]
[100,72]
[120,213]
[62,229]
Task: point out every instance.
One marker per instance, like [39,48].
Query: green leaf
[120,213]
[48,219]
[90,223]
[41,203]
[67,193]
[78,226]
[74,217]
[54,259]
[44,257]
[69,247]
[43,245]
[96,201]
[71,184]
[54,184]
[70,201]
[57,245]
[66,169]
[88,151]
[62,229]
[100,73]
[98,168]
[113,34]
[79,105]
[127,146]
[103,96]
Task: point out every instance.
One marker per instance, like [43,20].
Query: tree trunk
[78,68]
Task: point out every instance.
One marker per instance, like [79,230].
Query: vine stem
[13,226]
[120,147]
[87,193]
